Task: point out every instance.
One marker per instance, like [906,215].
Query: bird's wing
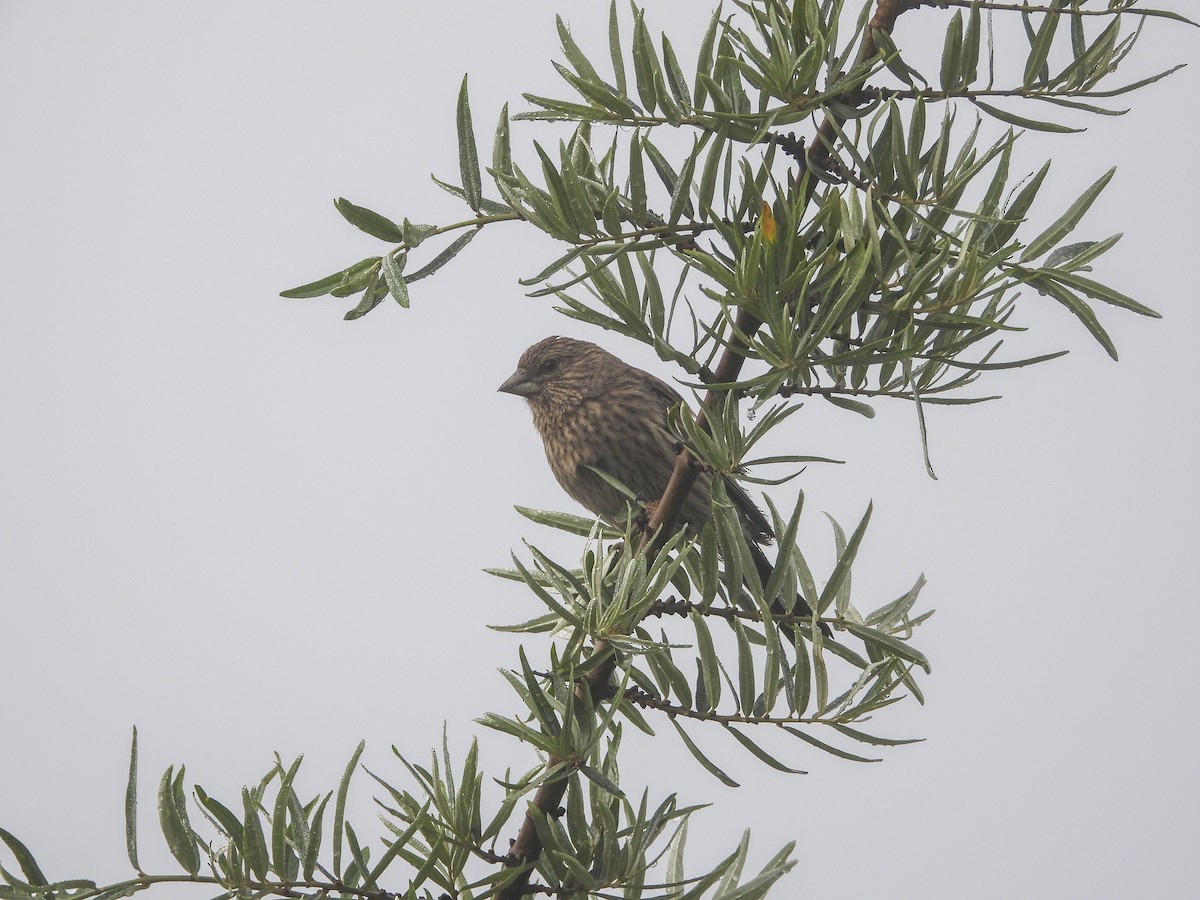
[666,394]
[754,519]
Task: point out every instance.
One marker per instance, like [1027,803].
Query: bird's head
[558,370]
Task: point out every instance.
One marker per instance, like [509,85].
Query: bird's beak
[519,383]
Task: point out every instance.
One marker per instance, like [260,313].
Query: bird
[595,412]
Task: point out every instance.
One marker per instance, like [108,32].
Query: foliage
[841,215]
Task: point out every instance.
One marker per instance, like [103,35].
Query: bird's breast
[576,438]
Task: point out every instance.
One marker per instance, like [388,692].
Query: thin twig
[648,701]
[675,607]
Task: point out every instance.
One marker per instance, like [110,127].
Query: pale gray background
[247,526]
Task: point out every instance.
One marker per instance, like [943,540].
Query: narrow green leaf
[865,738]
[777,585]
[1022,122]
[572,524]
[828,748]
[614,48]
[537,625]
[371,298]
[802,676]
[969,67]
[709,565]
[468,157]
[428,868]
[179,805]
[762,754]
[919,407]
[1078,41]
[314,839]
[282,855]
[1014,214]
[172,818]
[745,658]
[676,80]
[535,585]
[704,59]
[1066,253]
[1080,308]
[706,193]
[598,93]
[645,64]
[853,405]
[339,808]
[707,763]
[536,700]
[1066,223]
[894,612]
[1104,293]
[601,780]
[399,845]
[574,55]
[371,222]
[359,870]
[315,288]
[706,660]
[29,867]
[393,268]
[952,52]
[681,198]
[990,367]
[841,571]
[444,257]
[518,730]
[358,280]
[486,207]
[663,167]
[903,160]
[575,873]
[1039,52]
[653,303]
[637,180]
[131,805]
[501,145]
[330,283]
[230,824]
[889,644]
[254,840]
[569,191]
[1092,108]
[561,262]
[1139,84]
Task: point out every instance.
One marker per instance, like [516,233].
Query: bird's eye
[549,365]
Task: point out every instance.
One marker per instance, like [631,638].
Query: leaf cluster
[744,661]
[881,255]
[275,844]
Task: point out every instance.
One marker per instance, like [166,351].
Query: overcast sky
[247,526]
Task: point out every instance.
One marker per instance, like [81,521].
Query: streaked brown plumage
[594,411]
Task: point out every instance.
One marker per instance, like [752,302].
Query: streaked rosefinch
[594,411]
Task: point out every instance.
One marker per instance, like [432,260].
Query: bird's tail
[765,568]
